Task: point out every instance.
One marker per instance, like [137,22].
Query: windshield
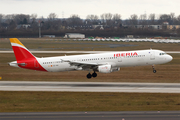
[162,54]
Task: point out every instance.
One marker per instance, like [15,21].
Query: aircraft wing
[84,65]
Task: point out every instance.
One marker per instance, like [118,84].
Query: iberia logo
[125,54]
[105,67]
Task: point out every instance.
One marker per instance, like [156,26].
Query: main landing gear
[89,76]
[154,71]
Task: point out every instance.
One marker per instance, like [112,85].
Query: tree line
[111,22]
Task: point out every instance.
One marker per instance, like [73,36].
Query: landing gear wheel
[94,74]
[89,76]
[154,71]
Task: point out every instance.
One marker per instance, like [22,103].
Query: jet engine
[107,69]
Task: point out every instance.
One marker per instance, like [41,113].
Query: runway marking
[89,116]
[90,87]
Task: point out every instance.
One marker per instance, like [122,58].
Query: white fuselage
[103,63]
[115,59]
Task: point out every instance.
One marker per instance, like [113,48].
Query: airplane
[102,62]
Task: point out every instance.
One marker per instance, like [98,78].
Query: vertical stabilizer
[20,51]
[25,59]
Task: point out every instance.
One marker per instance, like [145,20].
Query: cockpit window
[162,53]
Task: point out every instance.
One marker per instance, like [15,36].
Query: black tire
[89,76]
[94,74]
[154,71]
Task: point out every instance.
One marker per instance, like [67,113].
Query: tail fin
[20,51]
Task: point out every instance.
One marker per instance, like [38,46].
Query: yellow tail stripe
[15,40]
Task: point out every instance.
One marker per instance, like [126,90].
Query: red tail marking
[24,56]
[32,64]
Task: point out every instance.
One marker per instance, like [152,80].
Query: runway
[144,115]
[78,52]
[90,87]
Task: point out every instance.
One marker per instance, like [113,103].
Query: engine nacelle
[107,69]
[115,69]
[104,69]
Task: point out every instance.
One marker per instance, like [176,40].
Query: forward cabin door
[152,55]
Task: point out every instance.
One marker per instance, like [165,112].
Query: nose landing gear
[154,71]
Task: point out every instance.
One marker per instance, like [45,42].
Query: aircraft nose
[169,58]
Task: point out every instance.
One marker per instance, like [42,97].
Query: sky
[66,8]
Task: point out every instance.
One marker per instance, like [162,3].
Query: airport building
[74,35]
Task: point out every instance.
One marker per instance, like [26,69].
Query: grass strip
[76,101]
